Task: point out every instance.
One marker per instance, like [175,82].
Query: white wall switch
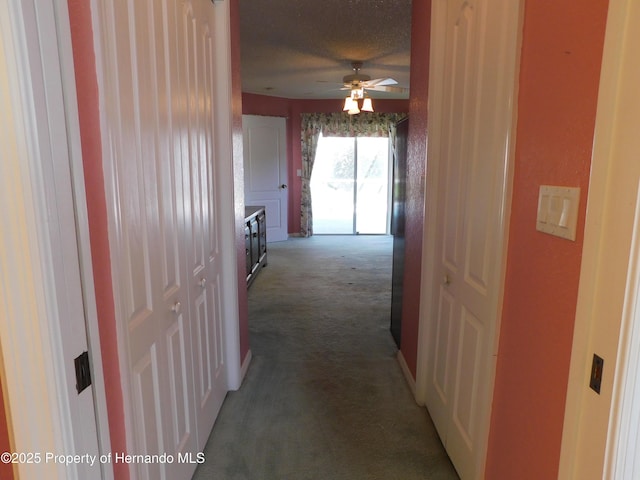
[558,211]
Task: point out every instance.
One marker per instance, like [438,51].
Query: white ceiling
[303,48]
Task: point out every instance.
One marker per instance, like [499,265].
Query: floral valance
[341,124]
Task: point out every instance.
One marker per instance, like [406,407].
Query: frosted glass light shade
[348,103]
[367,105]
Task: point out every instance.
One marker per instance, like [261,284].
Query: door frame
[31,315]
[597,427]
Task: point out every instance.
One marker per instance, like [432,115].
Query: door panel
[372,185]
[443,348]
[198,55]
[473,123]
[159,328]
[467,365]
[160,56]
[332,186]
[265,170]
[178,371]
[145,387]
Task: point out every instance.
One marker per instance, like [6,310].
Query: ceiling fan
[358,83]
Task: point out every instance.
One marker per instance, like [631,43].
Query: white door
[163,160]
[150,263]
[473,79]
[197,55]
[265,170]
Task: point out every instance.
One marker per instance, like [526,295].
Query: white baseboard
[407,373]
[245,366]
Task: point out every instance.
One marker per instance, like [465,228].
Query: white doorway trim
[595,442]
[35,221]
[227,194]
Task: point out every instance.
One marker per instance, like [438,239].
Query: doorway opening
[350,186]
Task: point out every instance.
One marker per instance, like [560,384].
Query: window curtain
[335,125]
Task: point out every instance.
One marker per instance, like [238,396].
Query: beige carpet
[324,397]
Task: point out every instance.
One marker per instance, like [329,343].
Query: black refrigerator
[398,200]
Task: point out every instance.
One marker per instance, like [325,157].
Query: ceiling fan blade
[380,81]
[388,88]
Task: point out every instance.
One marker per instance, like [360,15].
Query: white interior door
[197,54]
[152,281]
[265,170]
[474,78]
[162,105]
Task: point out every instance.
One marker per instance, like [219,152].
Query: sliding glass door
[372,185]
[350,186]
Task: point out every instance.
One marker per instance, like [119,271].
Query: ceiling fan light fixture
[348,104]
[359,85]
[357,93]
[367,105]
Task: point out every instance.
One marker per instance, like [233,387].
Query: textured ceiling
[303,48]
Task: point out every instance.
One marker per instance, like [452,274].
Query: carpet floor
[324,397]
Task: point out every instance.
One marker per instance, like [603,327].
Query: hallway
[324,397]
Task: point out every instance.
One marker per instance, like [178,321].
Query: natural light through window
[350,186]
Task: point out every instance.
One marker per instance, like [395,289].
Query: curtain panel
[335,125]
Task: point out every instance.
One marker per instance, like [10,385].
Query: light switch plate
[558,211]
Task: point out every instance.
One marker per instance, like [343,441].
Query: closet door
[196,54]
[151,287]
[158,98]
[475,47]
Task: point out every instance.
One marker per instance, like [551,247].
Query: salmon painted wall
[253,104]
[559,77]
[88,111]
[238,175]
[416,165]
